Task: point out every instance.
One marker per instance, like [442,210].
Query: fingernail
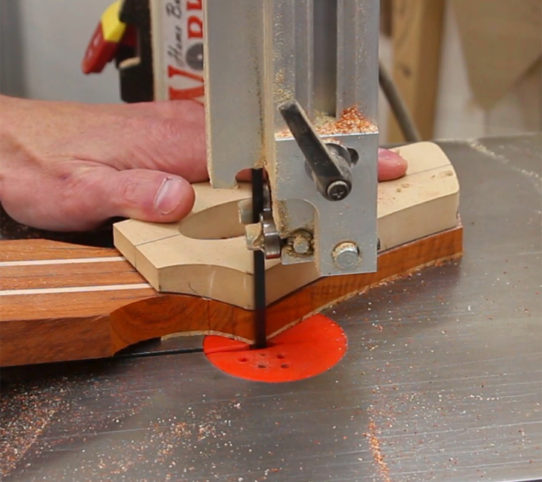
[168,195]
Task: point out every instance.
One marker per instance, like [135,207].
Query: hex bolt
[346,255]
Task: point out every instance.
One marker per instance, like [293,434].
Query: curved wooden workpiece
[205,254]
[92,309]
[62,302]
[169,313]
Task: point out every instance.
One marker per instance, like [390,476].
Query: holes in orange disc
[307,349]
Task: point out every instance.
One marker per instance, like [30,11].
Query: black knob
[330,163]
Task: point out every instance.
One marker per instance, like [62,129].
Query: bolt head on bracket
[346,255]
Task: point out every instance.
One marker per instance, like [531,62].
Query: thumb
[146,195]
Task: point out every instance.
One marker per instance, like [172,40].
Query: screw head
[346,255]
[338,190]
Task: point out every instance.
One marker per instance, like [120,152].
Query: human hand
[70,166]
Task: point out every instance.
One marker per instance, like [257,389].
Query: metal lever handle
[330,163]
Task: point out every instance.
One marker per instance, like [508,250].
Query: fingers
[164,136]
[244,175]
[390,165]
[146,195]
[86,198]
[82,164]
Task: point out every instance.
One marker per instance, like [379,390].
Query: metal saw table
[442,379]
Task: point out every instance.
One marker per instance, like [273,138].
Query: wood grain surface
[63,302]
[205,253]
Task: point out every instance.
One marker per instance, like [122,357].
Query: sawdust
[376,450]
[351,121]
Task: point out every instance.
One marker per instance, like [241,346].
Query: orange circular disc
[305,350]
